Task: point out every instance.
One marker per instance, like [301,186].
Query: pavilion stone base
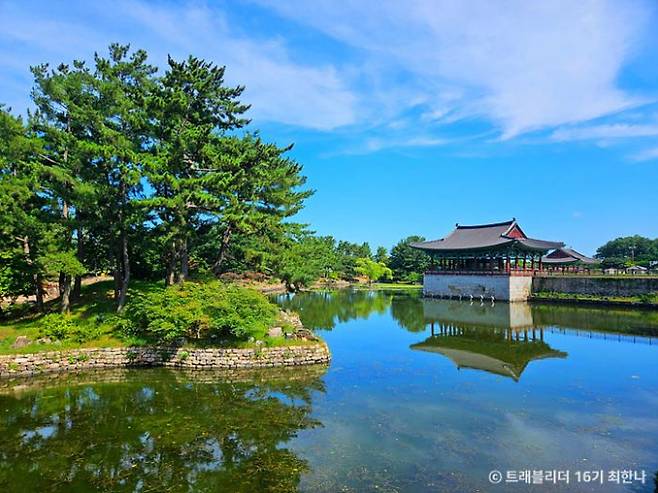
[503,286]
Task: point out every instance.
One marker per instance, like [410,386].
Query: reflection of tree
[408,312]
[154,433]
[323,309]
[603,319]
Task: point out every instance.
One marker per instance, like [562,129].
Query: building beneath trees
[493,261]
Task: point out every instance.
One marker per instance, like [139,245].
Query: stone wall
[172,357]
[598,286]
[501,287]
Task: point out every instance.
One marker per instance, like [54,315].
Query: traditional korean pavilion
[495,261]
[501,247]
[569,259]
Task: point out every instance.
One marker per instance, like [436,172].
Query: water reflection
[325,309]
[156,430]
[496,338]
[501,338]
[505,352]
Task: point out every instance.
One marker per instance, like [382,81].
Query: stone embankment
[596,286]
[159,356]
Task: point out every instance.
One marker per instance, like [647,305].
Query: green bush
[61,327]
[57,326]
[198,311]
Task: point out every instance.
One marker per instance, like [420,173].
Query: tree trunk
[36,277]
[66,295]
[223,249]
[170,277]
[117,279]
[184,262]
[38,290]
[65,216]
[61,282]
[77,287]
[125,278]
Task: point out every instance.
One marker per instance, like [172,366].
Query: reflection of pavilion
[498,339]
[505,315]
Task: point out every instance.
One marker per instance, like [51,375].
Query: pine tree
[62,98]
[119,147]
[192,107]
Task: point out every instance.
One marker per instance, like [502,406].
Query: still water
[421,395]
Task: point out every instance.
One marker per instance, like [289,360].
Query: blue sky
[412,116]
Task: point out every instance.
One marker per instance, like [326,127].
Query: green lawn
[94,309]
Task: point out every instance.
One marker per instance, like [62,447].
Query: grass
[267,342]
[96,311]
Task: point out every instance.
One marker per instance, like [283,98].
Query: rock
[305,334]
[275,332]
[292,319]
[44,340]
[21,341]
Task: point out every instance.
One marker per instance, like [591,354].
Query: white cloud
[523,65]
[519,65]
[646,155]
[279,88]
[377,144]
[611,131]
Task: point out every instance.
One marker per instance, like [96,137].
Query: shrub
[61,327]
[199,311]
[57,326]
[648,297]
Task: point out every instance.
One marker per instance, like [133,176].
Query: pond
[421,395]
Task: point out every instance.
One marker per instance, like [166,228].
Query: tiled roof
[484,236]
[567,256]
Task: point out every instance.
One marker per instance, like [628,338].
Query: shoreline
[29,364]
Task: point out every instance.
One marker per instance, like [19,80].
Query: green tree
[348,253]
[381,255]
[25,210]
[192,106]
[124,82]
[62,97]
[372,270]
[251,189]
[304,261]
[408,264]
[628,250]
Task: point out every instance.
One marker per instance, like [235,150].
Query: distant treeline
[629,250]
